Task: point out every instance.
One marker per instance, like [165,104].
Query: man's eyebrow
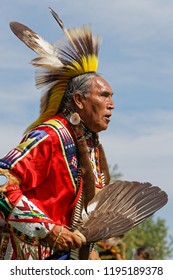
[108,92]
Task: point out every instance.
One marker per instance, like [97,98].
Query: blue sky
[136,59]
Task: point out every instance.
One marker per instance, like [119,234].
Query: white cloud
[142,141]
[143,149]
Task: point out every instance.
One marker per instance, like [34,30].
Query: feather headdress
[76,55]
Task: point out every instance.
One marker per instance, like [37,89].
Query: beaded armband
[25,220]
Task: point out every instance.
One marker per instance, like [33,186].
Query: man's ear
[78,99]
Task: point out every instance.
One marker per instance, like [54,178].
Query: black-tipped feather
[32,39]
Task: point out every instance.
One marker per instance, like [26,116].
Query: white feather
[46,46]
[51,62]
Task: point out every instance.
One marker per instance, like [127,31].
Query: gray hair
[82,84]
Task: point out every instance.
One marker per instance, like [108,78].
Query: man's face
[96,107]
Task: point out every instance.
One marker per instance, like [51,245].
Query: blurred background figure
[142,253]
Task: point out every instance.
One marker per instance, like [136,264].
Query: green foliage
[152,234]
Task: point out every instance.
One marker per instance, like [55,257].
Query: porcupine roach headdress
[78,54]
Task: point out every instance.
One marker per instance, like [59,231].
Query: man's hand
[62,239]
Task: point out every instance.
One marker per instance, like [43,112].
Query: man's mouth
[107,118]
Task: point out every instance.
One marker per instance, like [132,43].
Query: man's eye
[105,94]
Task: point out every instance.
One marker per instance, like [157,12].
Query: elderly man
[59,165]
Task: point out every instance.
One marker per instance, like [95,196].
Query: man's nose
[111,103]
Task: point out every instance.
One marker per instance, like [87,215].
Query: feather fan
[119,207]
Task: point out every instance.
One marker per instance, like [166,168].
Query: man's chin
[102,128]
[98,128]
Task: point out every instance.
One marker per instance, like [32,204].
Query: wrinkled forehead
[102,84]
